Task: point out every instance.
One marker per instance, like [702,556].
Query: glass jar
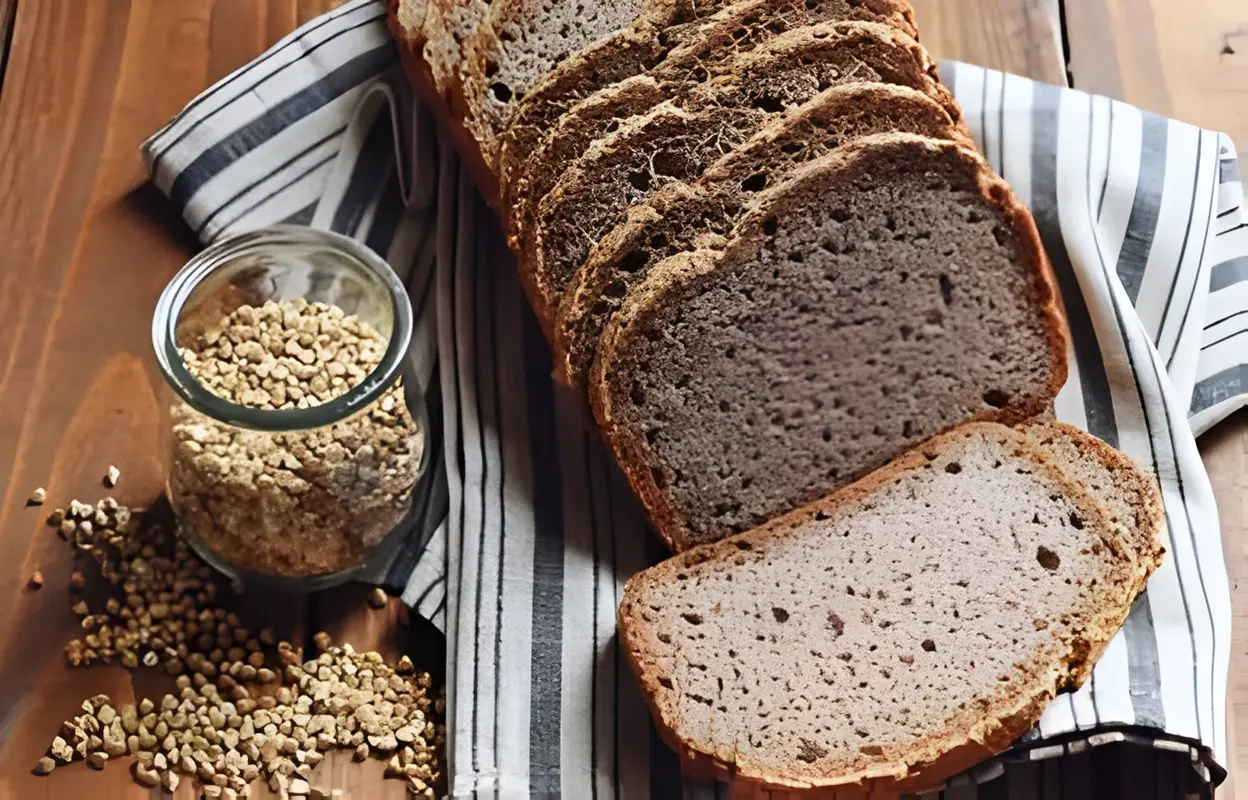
[297,431]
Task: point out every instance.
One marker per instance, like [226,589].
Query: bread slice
[667,25]
[520,41]
[886,292]
[890,635]
[1128,494]
[711,50]
[628,166]
[682,218]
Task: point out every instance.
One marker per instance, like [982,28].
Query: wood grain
[1019,36]
[1188,60]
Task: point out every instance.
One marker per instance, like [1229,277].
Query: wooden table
[86,246]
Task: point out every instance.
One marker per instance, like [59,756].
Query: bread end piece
[666,640]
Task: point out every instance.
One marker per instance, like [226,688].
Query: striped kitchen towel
[1138,213]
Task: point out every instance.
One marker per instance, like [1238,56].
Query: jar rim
[187,280]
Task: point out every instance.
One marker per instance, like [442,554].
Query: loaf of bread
[816,331]
[902,629]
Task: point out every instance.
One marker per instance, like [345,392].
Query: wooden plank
[1019,36]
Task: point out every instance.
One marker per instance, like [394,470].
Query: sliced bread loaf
[665,26]
[631,164]
[886,292]
[892,634]
[682,218]
[712,51]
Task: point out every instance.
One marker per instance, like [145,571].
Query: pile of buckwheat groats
[246,706]
[293,503]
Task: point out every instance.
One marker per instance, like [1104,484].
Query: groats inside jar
[292,503]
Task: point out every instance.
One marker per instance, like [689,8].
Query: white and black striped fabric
[523,572]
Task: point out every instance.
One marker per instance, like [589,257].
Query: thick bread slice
[712,50]
[521,41]
[682,218]
[628,166]
[886,292]
[892,634]
[1128,493]
[666,25]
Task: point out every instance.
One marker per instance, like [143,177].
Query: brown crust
[966,740]
[685,273]
[443,107]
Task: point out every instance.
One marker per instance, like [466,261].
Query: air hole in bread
[691,618]
[953,468]
[659,478]
[929,646]
[755,183]
[639,181]
[996,398]
[769,104]
[501,91]
[780,614]
[1076,521]
[1047,558]
[946,290]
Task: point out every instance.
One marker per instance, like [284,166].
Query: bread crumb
[37,497]
[36,580]
[377,598]
[111,476]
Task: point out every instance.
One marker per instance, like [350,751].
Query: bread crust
[687,271]
[966,740]
[441,104]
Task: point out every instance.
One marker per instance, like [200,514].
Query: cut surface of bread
[892,634]
[681,217]
[665,26]
[884,293]
[628,166]
[712,51]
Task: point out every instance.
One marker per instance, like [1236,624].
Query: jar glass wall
[297,435]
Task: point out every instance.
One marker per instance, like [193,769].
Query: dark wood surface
[86,246]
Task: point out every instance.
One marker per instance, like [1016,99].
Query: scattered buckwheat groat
[246,706]
[302,502]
